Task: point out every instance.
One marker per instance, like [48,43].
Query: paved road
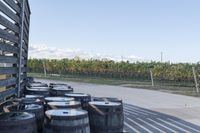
[150,111]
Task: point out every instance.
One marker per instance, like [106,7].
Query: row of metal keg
[55,108]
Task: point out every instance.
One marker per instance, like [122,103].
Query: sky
[116,29]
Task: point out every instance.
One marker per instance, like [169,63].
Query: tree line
[110,69]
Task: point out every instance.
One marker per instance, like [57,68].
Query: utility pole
[161,57]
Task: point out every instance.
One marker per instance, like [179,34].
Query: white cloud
[42,51]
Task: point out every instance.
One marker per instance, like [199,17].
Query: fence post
[44,67]
[22,5]
[152,81]
[195,79]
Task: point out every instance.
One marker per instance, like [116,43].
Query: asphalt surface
[149,111]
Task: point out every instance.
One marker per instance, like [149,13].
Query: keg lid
[41,90]
[62,88]
[37,84]
[29,100]
[105,103]
[39,87]
[15,116]
[58,84]
[58,99]
[77,95]
[110,99]
[66,114]
[34,96]
[32,107]
[65,104]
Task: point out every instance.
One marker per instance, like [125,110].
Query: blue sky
[142,28]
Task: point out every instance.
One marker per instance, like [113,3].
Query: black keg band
[103,113]
[67,118]
[106,128]
[31,120]
[67,128]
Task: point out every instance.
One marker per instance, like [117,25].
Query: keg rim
[22,117]
[77,95]
[61,88]
[57,99]
[34,96]
[105,103]
[69,103]
[66,114]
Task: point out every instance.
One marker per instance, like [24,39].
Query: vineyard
[181,72]
[170,77]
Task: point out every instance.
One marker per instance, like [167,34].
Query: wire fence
[175,78]
[186,87]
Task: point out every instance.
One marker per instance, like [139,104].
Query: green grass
[170,87]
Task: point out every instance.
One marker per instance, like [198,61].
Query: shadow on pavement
[147,121]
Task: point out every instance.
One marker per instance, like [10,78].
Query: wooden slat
[13,5]
[24,61]
[8,82]
[11,70]
[24,46]
[8,70]
[26,30]
[8,48]
[27,11]
[7,93]
[28,7]
[24,54]
[8,36]
[26,20]
[8,59]
[8,12]
[5,22]
[24,69]
[25,39]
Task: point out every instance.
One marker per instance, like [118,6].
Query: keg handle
[53,107]
[6,110]
[96,109]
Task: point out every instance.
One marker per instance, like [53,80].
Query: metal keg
[38,110]
[66,121]
[27,101]
[106,117]
[40,97]
[18,122]
[29,79]
[64,105]
[107,99]
[60,91]
[37,91]
[37,84]
[81,97]
[58,99]
[59,84]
